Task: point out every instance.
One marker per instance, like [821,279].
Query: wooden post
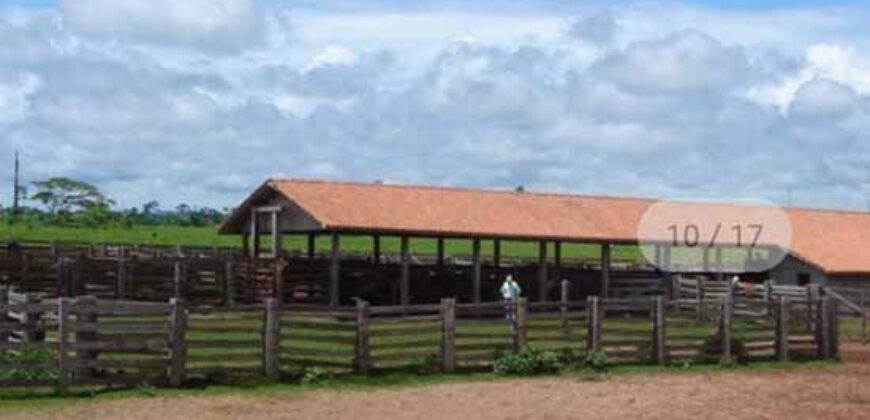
[823,332]
[520,311]
[496,256]
[4,299]
[725,326]
[542,271]
[121,279]
[272,339]
[276,235]
[780,309]
[246,245]
[178,280]
[440,252]
[54,253]
[475,270]
[593,317]
[834,328]
[699,296]
[335,270]
[64,370]
[404,273]
[362,349]
[376,249]
[177,342]
[557,254]
[278,280]
[312,245]
[659,333]
[230,278]
[86,313]
[563,299]
[255,234]
[448,335]
[605,270]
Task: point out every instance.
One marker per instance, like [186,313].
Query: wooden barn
[826,247]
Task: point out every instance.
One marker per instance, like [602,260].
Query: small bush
[35,366]
[528,361]
[315,376]
[595,360]
[713,349]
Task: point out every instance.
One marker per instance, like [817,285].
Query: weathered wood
[780,310]
[177,342]
[278,281]
[659,333]
[496,255]
[362,351]
[542,271]
[557,254]
[334,270]
[272,339]
[448,335]
[83,338]
[475,270]
[404,273]
[594,324]
[255,234]
[376,249]
[178,280]
[440,251]
[276,233]
[230,280]
[725,327]
[64,368]
[121,279]
[519,326]
[312,245]
[605,270]
[563,299]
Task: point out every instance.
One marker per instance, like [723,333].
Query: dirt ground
[838,392]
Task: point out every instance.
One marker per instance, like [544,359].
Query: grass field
[208,236]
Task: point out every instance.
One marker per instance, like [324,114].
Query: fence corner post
[521,309]
[725,326]
[272,339]
[659,339]
[593,316]
[448,335]
[177,342]
[361,349]
[780,309]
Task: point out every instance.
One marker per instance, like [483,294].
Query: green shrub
[528,361]
[35,365]
[595,360]
[315,375]
[713,349]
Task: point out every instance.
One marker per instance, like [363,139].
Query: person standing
[510,292]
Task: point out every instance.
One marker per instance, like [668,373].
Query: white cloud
[209,24]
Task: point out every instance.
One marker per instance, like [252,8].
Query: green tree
[62,196]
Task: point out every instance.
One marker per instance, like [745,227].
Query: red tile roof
[834,241]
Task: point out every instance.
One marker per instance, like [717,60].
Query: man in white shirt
[510,292]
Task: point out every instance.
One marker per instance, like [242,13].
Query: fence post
[563,308]
[87,312]
[4,299]
[64,370]
[279,281]
[361,350]
[230,279]
[593,316]
[521,307]
[178,280]
[659,337]
[121,279]
[833,329]
[699,296]
[725,326]
[448,335]
[823,329]
[768,295]
[177,342]
[272,339]
[780,309]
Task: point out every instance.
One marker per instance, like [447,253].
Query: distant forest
[69,202]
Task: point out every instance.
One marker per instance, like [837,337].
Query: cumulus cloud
[209,24]
[664,109]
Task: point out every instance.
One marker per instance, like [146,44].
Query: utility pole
[15,189]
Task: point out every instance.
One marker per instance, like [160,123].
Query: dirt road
[838,392]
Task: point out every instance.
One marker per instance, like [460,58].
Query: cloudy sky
[198,101]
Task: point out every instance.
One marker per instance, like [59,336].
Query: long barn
[826,247]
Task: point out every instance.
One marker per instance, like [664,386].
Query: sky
[200,101]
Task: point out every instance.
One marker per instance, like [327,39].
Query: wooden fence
[84,340]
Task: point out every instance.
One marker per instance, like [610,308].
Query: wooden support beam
[605,270]
[542,271]
[404,275]
[496,254]
[475,272]
[557,254]
[255,235]
[276,235]
[440,256]
[246,243]
[376,249]
[334,270]
[448,335]
[312,245]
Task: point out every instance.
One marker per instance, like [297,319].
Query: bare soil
[837,392]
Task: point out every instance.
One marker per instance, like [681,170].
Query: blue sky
[199,101]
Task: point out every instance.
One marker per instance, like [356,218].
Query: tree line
[69,202]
